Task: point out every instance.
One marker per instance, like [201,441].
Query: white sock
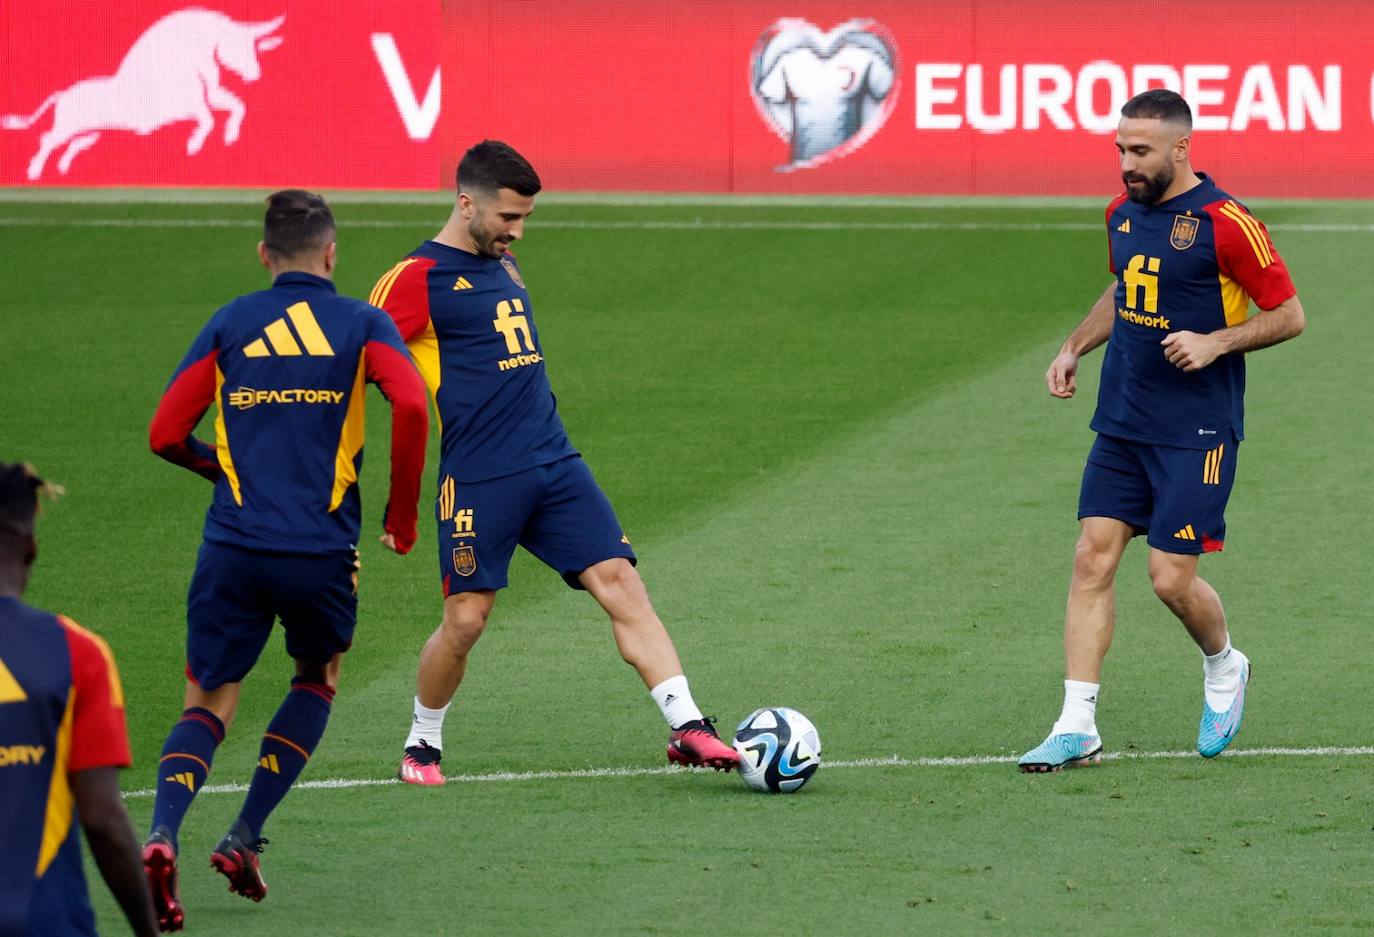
[1080,709]
[1221,677]
[427,726]
[675,700]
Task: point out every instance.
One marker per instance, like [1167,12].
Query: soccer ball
[779,749]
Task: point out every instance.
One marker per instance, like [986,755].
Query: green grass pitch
[824,427]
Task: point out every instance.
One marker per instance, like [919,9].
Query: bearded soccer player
[1188,261]
[62,741]
[285,368]
[508,474]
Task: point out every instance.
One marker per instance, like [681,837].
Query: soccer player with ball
[508,474]
[1187,260]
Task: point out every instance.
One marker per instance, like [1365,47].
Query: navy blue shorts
[556,511]
[1177,497]
[237,594]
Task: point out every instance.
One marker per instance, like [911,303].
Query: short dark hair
[20,487]
[296,222]
[1159,104]
[492,165]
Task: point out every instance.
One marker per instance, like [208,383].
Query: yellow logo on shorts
[1186,534]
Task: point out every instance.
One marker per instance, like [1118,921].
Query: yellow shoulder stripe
[383,288]
[116,688]
[1259,243]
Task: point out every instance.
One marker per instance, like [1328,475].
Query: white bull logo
[170,74]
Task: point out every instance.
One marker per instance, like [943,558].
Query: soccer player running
[62,741]
[285,368]
[1188,260]
[508,473]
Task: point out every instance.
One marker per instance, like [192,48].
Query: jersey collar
[301,278]
[1205,185]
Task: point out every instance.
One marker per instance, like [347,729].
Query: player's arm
[188,395]
[1093,331]
[110,835]
[99,747]
[1247,256]
[388,365]
[1192,351]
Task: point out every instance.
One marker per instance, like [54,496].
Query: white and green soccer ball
[779,749]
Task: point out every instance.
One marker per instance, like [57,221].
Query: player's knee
[326,673]
[1173,586]
[461,628]
[613,576]
[1093,566]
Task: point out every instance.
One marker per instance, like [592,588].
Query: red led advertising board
[658,95]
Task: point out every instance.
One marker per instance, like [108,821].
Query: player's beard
[1154,187]
[484,240]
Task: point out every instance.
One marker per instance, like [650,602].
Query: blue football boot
[1065,750]
[1217,729]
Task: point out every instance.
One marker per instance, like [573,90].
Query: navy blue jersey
[1193,263]
[61,712]
[469,322]
[285,368]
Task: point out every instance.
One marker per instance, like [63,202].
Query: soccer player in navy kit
[1188,260]
[285,369]
[508,474]
[62,743]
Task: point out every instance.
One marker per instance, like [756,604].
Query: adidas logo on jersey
[462,284]
[1124,227]
[283,341]
[1186,534]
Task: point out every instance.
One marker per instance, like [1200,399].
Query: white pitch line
[892,761]
[651,225]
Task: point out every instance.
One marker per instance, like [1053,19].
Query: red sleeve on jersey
[404,294]
[99,736]
[1115,203]
[394,374]
[1247,255]
[183,404]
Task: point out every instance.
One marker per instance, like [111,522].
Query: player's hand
[1190,351]
[1060,378]
[389,541]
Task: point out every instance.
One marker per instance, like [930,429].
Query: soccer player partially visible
[1188,260]
[62,741]
[285,368]
[508,474]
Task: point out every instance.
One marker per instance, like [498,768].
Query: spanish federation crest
[1184,232]
[514,273]
[464,561]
